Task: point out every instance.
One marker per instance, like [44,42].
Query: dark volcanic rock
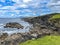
[13,25]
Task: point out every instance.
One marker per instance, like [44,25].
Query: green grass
[47,40]
[56,16]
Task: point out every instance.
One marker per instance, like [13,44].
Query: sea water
[3,22]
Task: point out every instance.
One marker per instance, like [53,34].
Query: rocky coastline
[42,26]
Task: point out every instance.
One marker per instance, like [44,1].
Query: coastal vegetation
[47,40]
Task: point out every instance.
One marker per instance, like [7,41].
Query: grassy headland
[47,40]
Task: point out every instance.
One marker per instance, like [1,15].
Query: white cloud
[17,1]
[23,5]
[12,14]
[54,3]
[27,10]
[2,0]
[26,1]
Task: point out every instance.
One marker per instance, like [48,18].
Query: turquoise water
[28,8]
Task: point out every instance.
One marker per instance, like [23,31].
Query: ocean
[3,22]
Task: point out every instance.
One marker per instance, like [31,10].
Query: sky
[28,8]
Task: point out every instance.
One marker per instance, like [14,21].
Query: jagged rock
[43,26]
[46,31]
[13,25]
[3,36]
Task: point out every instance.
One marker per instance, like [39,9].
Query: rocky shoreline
[42,26]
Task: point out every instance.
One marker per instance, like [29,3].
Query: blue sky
[28,8]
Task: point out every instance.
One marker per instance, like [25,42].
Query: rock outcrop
[13,25]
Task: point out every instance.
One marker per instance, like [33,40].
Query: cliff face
[42,26]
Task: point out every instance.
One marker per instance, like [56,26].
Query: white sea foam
[14,30]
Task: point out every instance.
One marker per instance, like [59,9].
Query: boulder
[46,31]
[3,36]
[13,25]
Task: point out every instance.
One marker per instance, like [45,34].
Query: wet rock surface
[41,27]
[13,25]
